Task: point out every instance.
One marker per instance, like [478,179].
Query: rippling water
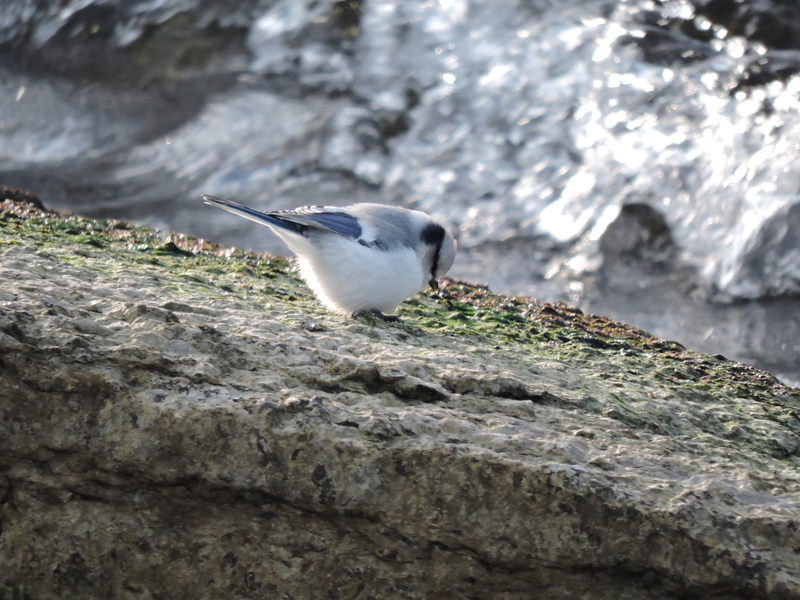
[634,158]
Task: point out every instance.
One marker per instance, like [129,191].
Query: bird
[362,259]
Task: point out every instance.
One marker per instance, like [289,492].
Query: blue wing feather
[336,222]
[298,221]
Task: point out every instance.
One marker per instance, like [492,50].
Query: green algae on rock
[182,420]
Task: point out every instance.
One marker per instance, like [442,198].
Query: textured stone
[185,422]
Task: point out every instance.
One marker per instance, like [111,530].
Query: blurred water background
[636,158]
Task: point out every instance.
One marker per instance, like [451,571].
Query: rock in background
[179,420]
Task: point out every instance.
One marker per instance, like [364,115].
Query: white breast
[348,277]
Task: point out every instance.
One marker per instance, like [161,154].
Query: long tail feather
[243,211]
[255,215]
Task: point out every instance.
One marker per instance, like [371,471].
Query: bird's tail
[242,211]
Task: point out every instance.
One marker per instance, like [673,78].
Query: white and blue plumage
[363,258]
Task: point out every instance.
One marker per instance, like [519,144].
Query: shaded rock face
[164,436]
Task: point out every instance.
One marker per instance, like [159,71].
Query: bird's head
[440,252]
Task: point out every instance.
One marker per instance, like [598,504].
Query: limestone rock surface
[184,421]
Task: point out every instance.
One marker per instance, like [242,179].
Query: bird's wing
[322,218]
[298,220]
[387,227]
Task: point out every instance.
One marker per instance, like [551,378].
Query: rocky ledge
[181,420]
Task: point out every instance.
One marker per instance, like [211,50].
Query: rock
[180,420]
[638,232]
[683,31]
[773,23]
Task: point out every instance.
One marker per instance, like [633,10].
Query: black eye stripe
[432,234]
[435,263]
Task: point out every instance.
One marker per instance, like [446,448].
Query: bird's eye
[432,234]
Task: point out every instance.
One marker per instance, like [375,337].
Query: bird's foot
[376,313]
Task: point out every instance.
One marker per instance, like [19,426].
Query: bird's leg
[376,313]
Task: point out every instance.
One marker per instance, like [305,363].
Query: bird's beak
[434,284]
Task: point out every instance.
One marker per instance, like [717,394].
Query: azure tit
[362,258]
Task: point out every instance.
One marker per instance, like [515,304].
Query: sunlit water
[526,126]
